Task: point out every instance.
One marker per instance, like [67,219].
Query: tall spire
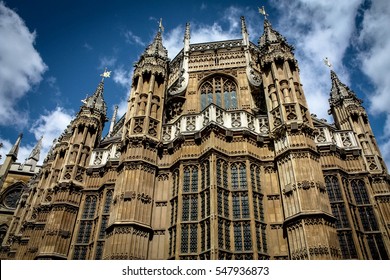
[9,160]
[339,90]
[156,48]
[244,31]
[113,120]
[33,158]
[270,35]
[187,37]
[182,82]
[15,149]
[96,101]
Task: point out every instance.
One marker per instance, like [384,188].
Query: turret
[284,94]
[135,185]
[11,157]
[33,158]
[64,176]
[349,114]
[300,172]
[144,115]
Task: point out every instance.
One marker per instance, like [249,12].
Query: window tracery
[220,91]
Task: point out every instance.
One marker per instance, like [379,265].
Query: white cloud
[131,38]
[318,29]
[106,61]
[21,66]
[51,125]
[122,108]
[122,77]
[87,46]
[374,41]
[52,82]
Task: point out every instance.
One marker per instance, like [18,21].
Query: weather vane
[160,26]
[327,62]
[263,12]
[106,74]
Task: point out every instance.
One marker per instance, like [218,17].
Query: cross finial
[105,74]
[160,26]
[327,62]
[263,12]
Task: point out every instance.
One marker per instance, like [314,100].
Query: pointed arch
[220,90]
[11,196]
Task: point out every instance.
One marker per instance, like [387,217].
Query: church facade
[217,157]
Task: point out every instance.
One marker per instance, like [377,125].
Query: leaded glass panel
[237,236]
[193,238]
[186,208]
[184,238]
[247,237]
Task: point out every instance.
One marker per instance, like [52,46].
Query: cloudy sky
[52,52]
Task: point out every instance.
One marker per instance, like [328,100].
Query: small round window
[11,197]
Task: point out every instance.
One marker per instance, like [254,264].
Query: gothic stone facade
[217,157]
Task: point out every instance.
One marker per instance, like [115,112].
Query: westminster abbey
[217,157]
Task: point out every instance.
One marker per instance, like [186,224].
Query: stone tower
[50,206]
[308,217]
[366,189]
[130,219]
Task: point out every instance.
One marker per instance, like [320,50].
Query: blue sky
[52,52]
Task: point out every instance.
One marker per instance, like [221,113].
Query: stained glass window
[219,202]
[80,253]
[333,188]
[203,237]
[368,218]
[245,206]
[243,182]
[237,236]
[107,203]
[194,182]
[89,207]
[186,180]
[99,250]
[347,245]
[220,91]
[226,204]
[186,208]
[193,238]
[377,248]
[247,237]
[102,232]
[184,238]
[12,197]
[338,210]
[236,207]
[227,235]
[359,192]
[234,173]
[220,234]
[264,237]
[194,207]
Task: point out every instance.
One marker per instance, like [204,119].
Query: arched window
[220,91]
[10,198]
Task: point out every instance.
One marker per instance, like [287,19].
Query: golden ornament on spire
[263,12]
[160,26]
[106,74]
[327,62]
